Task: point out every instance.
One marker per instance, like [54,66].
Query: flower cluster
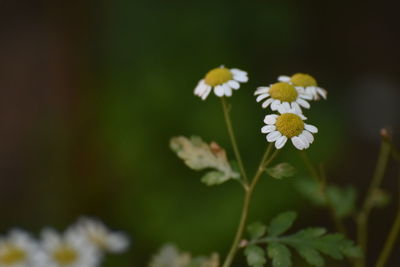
[81,245]
[288,97]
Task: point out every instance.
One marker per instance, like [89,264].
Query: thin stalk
[362,218]
[391,239]
[320,178]
[231,133]
[266,160]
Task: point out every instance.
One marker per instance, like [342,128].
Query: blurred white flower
[101,237]
[307,83]
[222,80]
[290,124]
[17,250]
[71,249]
[281,93]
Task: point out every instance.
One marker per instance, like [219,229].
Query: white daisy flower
[280,93]
[17,250]
[288,125]
[307,83]
[71,249]
[222,80]
[101,237]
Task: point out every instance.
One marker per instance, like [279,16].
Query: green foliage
[281,223]
[343,199]
[280,255]
[255,256]
[310,243]
[281,170]
[170,256]
[199,155]
[256,230]
[380,198]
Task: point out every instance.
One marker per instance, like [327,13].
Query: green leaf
[334,245]
[281,170]
[280,255]
[281,223]
[342,199]
[256,230]
[311,256]
[255,256]
[311,191]
[214,178]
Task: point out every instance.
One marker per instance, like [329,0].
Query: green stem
[233,140]
[266,160]
[362,218]
[320,178]
[391,239]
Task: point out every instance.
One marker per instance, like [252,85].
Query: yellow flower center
[65,255]
[289,125]
[283,91]
[218,76]
[11,255]
[304,80]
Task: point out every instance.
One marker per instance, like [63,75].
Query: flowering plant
[273,244]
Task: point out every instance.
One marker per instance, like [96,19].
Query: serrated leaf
[198,155]
[311,191]
[343,200]
[281,223]
[334,245]
[256,230]
[214,178]
[311,256]
[255,256]
[281,170]
[311,232]
[280,255]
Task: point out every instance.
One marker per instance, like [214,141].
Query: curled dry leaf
[198,155]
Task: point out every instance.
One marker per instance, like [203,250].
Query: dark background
[91,92]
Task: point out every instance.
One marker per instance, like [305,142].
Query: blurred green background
[92,91]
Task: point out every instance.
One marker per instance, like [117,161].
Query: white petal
[304,140]
[227,89]
[296,107]
[234,84]
[303,103]
[206,92]
[284,78]
[275,104]
[268,128]
[311,128]
[270,119]
[280,142]
[219,90]
[261,90]
[322,92]
[306,96]
[267,102]
[261,97]
[200,88]
[240,78]
[273,136]
[238,72]
[308,136]
[298,143]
